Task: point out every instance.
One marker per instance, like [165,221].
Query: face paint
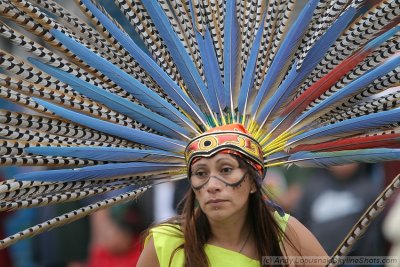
[198,181]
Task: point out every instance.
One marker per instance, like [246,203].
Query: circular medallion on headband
[232,137]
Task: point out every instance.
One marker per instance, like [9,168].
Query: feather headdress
[109,109]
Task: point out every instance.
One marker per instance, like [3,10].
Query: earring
[252,191]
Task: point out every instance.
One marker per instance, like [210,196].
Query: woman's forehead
[220,157]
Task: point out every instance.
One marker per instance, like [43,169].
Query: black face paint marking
[233,185]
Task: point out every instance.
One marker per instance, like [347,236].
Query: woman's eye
[201,174]
[226,170]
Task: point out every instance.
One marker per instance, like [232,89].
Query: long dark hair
[196,228]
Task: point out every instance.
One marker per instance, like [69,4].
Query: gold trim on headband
[208,144]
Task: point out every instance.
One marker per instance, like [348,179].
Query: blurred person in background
[115,240]
[5,259]
[332,202]
[21,254]
[391,230]
[61,247]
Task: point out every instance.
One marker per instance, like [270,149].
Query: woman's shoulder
[302,239]
[161,242]
[165,231]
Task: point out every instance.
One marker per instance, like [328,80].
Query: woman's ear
[253,187]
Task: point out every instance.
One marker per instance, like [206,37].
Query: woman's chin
[218,214]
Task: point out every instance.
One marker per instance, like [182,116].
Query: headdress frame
[231,139]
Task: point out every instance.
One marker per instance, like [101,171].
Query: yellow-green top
[167,237]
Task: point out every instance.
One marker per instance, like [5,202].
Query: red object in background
[392,169]
[5,259]
[100,257]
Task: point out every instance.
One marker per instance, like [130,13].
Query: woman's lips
[215,201]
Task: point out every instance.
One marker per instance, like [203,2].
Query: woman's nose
[214,184]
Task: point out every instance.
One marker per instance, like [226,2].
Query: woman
[225,221]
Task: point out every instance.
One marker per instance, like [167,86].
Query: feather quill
[386,100]
[71,216]
[325,159]
[353,87]
[56,126]
[375,52]
[51,199]
[115,102]
[133,135]
[299,104]
[184,63]
[131,85]
[278,97]
[353,143]
[232,63]
[44,161]
[364,222]
[249,73]
[362,123]
[98,172]
[285,51]
[107,154]
[14,189]
[213,76]
[362,30]
[209,59]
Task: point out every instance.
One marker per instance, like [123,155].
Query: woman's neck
[232,233]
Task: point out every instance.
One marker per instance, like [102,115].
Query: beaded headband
[228,139]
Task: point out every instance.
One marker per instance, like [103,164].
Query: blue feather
[106,153]
[362,123]
[319,49]
[212,73]
[231,51]
[248,76]
[98,172]
[325,159]
[115,102]
[278,97]
[128,83]
[130,134]
[284,52]
[184,63]
[146,62]
[374,43]
[311,57]
[276,156]
[354,86]
[314,56]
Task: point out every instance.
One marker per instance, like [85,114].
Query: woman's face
[221,187]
